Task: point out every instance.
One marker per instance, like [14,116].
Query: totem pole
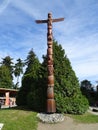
[51,105]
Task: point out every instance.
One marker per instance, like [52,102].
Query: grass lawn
[85,118]
[17,119]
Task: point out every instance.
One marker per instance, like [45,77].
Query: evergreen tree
[18,70]
[30,91]
[5,79]
[7,61]
[67,92]
[88,91]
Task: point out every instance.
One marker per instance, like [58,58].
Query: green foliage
[7,61]
[32,90]
[71,105]
[18,70]
[5,77]
[88,91]
[67,92]
[21,96]
[6,71]
[34,100]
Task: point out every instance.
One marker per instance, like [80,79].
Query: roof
[3,90]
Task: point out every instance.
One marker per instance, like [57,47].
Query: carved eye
[49,57]
[50,46]
[50,38]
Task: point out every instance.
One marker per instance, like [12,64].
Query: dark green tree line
[18,70]
[88,91]
[7,70]
[31,90]
[68,96]
[5,77]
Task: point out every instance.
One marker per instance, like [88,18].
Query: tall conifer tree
[67,90]
[29,81]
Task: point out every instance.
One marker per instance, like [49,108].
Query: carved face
[49,31]
[49,51]
[50,46]
[49,15]
[50,80]
[50,93]
[50,57]
[50,69]
[50,38]
[50,62]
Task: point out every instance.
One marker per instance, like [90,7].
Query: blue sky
[78,33]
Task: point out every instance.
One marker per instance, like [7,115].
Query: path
[67,124]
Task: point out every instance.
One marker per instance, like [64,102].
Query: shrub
[73,105]
[35,100]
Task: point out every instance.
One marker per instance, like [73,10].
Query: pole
[51,105]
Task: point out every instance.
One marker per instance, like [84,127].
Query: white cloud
[78,33]
[30,8]
[86,69]
[3,5]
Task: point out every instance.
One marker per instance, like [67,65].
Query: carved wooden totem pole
[51,105]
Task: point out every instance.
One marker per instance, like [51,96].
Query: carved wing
[57,20]
[41,21]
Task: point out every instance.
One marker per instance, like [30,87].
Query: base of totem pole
[51,106]
[51,118]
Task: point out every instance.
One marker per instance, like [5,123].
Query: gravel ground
[67,124]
